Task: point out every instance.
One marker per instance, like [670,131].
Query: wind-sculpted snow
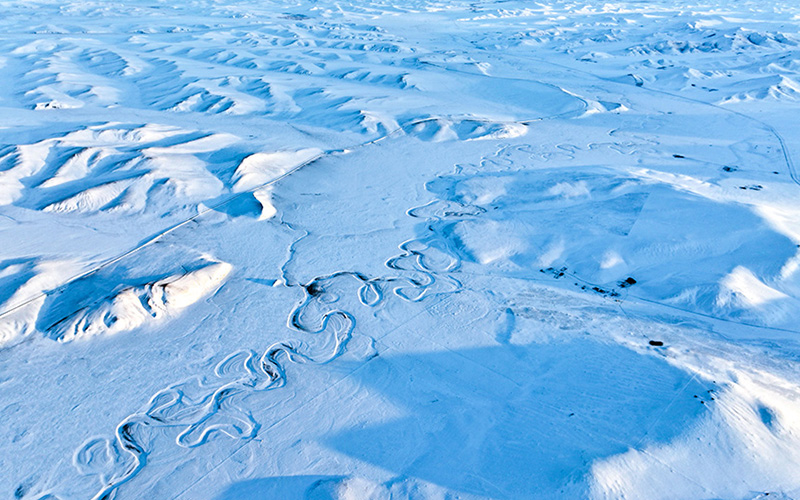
[669,47]
[340,76]
[114,168]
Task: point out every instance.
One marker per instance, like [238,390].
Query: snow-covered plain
[399,250]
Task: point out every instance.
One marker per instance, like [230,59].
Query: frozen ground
[411,250]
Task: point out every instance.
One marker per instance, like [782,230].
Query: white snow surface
[375,250]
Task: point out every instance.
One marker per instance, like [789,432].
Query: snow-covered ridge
[132,307]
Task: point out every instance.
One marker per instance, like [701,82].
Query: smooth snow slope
[419,250]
